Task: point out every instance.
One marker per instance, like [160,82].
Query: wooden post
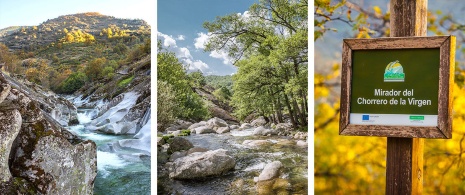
[404,167]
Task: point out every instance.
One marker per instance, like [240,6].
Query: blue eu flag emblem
[365,117]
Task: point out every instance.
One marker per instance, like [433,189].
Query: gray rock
[233,127]
[177,155]
[160,141]
[222,130]
[195,125]
[270,171]
[178,144]
[216,123]
[260,121]
[10,123]
[246,126]
[4,91]
[196,149]
[300,135]
[283,127]
[204,130]
[301,143]
[200,165]
[255,143]
[263,131]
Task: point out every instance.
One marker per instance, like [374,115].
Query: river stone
[177,155]
[283,127]
[300,135]
[232,127]
[201,165]
[178,144]
[263,131]
[222,130]
[270,171]
[196,149]
[195,125]
[160,141]
[301,143]
[260,121]
[254,143]
[10,123]
[204,130]
[246,126]
[216,123]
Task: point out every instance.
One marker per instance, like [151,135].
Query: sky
[34,12]
[180,30]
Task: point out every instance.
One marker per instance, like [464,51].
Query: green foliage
[223,94]
[185,132]
[219,81]
[108,72]
[167,138]
[74,82]
[94,68]
[197,78]
[120,49]
[125,82]
[167,110]
[270,50]
[171,71]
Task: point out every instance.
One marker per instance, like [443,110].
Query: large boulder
[200,165]
[44,157]
[195,125]
[263,131]
[283,128]
[204,130]
[260,121]
[179,144]
[216,123]
[10,123]
[271,171]
[222,130]
[246,126]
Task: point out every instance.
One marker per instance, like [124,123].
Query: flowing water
[250,161]
[120,170]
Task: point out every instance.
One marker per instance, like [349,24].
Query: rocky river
[123,148]
[265,160]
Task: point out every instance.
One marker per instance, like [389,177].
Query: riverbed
[120,170]
[250,161]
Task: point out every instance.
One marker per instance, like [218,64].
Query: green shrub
[125,82]
[74,82]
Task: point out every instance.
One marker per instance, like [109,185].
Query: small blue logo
[365,117]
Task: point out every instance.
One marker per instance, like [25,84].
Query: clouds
[183,53]
[201,40]
[181,38]
[168,40]
[222,55]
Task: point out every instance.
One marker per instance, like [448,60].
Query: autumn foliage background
[357,165]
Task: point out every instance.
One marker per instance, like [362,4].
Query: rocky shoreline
[37,155]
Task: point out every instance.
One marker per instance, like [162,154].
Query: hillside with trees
[66,52]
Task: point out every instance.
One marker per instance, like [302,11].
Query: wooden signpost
[399,88]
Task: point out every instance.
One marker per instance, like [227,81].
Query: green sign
[397,87]
[403,82]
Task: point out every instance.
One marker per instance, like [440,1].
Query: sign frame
[443,130]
